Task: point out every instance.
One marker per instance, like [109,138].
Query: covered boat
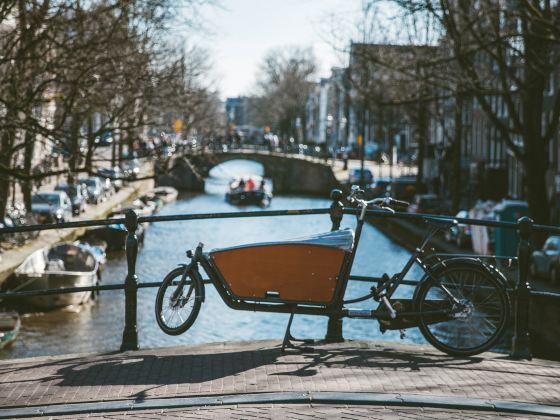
[60,266]
[9,328]
[248,191]
[302,270]
[167,194]
[141,208]
[114,235]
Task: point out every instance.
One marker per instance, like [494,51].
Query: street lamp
[341,134]
[329,136]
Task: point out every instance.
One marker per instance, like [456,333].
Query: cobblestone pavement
[303,412]
[230,368]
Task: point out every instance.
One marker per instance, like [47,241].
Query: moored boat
[138,206]
[60,266]
[156,201]
[10,324]
[248,191]
[114,235]
[167,194]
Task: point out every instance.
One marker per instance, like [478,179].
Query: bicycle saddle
[440,223]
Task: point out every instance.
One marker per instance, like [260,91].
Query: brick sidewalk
[297,411]
[218,369]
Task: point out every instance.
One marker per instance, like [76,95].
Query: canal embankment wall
[12,258]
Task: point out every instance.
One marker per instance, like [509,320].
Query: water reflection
[98,327]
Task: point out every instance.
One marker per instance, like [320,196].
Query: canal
[98,326]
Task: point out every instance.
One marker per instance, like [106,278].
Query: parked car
[379,188]
[545,262]
[94,189]
[51,207]
[105,139]
[404,188]
[77,194]
[355,176]
[113,174]
[131,168]
[460,234]
[425,203]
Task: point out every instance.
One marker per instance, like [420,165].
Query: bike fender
[463,261]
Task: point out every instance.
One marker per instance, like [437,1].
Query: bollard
[334,328]
[130,333]
[520,344]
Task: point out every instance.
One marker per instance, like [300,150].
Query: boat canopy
[342,239]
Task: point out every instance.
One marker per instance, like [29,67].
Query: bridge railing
[521,293]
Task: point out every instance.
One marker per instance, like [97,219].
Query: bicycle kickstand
[288,338]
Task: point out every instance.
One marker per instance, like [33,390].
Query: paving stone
[229,368]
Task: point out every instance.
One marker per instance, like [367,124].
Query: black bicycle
[460,305]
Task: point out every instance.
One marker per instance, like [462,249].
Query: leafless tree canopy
[64,61]
[503,56]
[283,84]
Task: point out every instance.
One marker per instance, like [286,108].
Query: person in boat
[241,185]
[250,185]
[261,186]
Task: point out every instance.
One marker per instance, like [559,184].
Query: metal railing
[521,293]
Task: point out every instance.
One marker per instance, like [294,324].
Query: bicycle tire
[185,324]
[458,336]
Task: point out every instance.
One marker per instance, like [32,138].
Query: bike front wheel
[177,302]
[477,307]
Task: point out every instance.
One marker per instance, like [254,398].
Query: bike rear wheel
[175,315]
[476,323]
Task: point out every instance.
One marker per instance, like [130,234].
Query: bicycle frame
[336,305]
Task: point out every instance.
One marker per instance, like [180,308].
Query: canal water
[98,326]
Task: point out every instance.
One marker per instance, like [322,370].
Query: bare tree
[283,84]
[507,58]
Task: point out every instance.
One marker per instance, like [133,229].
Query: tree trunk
[421,124]
[90,143]
[536,191]
[27,185]
[456,168]
[6,145]
[74,150]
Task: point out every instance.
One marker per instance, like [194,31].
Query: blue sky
[242,31]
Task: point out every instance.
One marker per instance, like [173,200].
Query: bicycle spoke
[479,314]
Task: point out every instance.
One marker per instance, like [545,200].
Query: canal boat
[248,191]
[167,194]
[10,324]
[114,235]
[60,266]
[138,206]
[156,202]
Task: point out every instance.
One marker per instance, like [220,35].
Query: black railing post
[130,333]
[520,344]
[334,328]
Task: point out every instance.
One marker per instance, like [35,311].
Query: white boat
[167,194]
[60,266]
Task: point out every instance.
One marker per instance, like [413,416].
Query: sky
[241,32]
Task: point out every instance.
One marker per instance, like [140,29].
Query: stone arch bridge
[290,173]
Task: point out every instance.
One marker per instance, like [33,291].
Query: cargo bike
[460,305]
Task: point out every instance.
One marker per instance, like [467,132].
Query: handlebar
[382,202]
